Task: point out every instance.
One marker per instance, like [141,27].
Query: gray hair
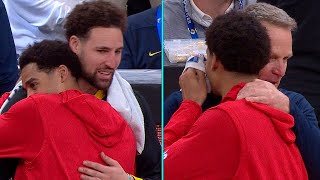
[271,14]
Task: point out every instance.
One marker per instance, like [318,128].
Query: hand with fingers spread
[266,93]
[193,85]
[96,171]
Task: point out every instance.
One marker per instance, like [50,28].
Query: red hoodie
[234,140]
[53,134]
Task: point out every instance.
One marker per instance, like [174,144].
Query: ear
[63,73]
[75,44]
[215,62]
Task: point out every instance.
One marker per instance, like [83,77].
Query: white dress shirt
[36,20]
[203,18]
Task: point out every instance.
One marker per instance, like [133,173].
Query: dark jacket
[148,163]
[307,132]
[8,58]
[304,66]
[142,49]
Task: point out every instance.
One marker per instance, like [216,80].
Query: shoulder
[295,97]
[143,19]
[249,2]
[45,98]
[174,97]
[214,119]
[173,10]
[27,105]
[230,106]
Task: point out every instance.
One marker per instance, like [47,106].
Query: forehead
[280,37]
[31,71]
[110,37]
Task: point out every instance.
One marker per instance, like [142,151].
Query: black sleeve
[148,163]
[171,104]
[8,166]
[9,72]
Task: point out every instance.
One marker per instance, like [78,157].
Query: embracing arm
[148,163]
[21,134]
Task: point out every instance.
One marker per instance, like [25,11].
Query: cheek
[40,89]
[88,63]
[285,66]
[264,73]
[50,88]
[118,61]
[30,92]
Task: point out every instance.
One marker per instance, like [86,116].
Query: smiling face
[281,51]
[36,81]
[100,55]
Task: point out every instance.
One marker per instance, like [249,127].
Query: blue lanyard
[159,20]
[240,4]
[191,28]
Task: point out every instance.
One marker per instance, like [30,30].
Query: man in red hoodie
[227,141]
[52,133]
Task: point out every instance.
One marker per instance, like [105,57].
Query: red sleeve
[3,98]
[21,131]
[210,150]
[181,121]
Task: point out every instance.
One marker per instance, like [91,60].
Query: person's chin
[277,84]
[103,85]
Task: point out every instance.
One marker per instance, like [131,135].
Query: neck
[69,84]
[86,87]
[230,79]
[213,8]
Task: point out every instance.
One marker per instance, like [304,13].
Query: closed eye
[33,85]
[119,51]
[102,50]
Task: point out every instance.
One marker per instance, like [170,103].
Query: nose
[279,68]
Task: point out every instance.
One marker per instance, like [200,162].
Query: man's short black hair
[240,42]
[89,15]
[49,54]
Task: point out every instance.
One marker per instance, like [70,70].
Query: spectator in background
[201,13]
[8,57]
[303,74]
[34,20]
[142,45]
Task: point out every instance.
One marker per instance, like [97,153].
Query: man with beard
[95,33]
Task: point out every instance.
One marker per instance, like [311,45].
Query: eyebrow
[102,47]
[30,81]
[107,48]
